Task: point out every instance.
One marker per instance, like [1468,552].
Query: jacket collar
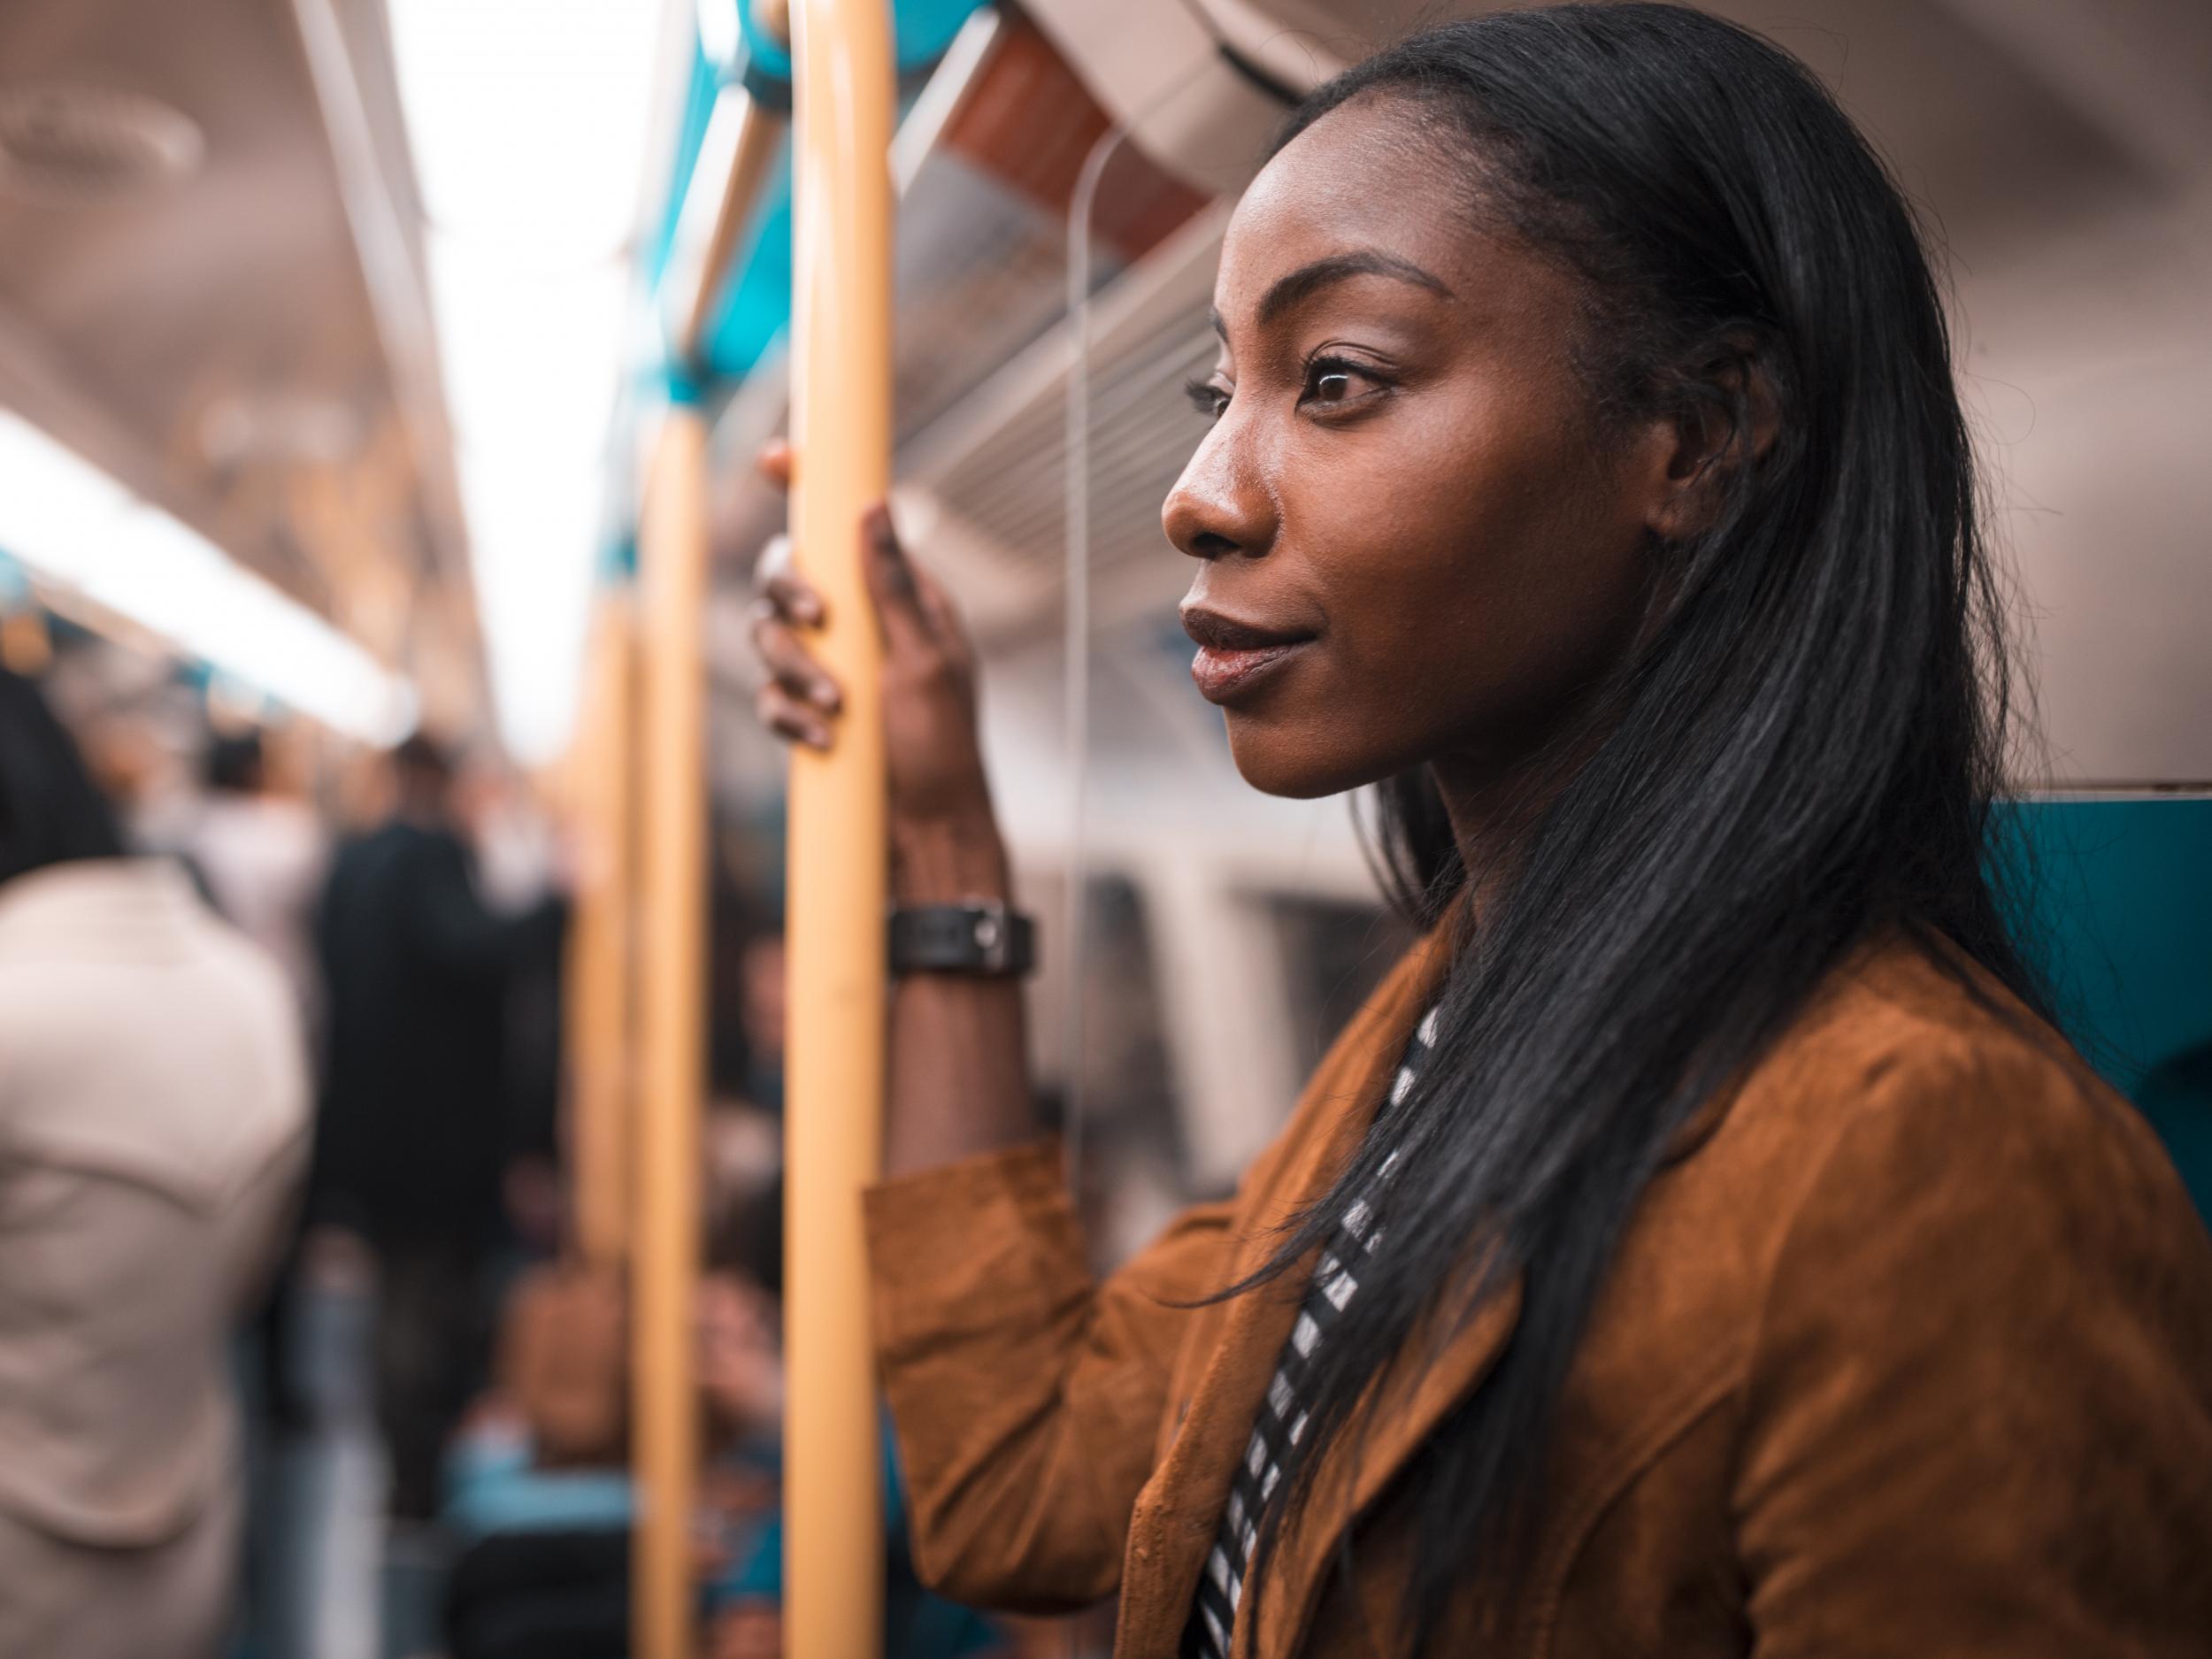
[1172,1530]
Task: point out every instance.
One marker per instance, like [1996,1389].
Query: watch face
[974,938]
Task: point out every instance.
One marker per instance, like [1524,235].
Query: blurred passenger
[257,853]
[745,991]
[741,1376]
[538,1480]
[417,973]
[153,1118]
[520,857]
[260,854]
[541,1496]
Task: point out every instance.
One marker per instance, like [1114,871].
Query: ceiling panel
[206,333]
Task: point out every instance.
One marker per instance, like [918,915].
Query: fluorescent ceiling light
[535,533]
[530,122]
[530,119]
[74,525]
[532,353]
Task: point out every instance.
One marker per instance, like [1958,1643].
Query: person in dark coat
[414,1127]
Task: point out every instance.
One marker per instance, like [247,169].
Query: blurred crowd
[298,1356]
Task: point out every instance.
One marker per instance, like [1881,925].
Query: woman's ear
[1726,418]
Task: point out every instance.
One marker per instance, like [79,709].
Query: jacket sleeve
[1025,1396]
[1979,1420]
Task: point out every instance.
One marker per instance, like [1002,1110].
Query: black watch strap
[981,937]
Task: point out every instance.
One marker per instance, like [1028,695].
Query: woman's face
[1415,543]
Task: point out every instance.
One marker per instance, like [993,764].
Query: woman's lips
[1233,653]
[1221,672]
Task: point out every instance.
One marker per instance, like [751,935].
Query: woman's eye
[1207,398]
[1330,380]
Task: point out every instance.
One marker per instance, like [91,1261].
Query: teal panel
[757,305]
[2121,925]
[618,560]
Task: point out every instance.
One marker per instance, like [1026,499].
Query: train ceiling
[188,299]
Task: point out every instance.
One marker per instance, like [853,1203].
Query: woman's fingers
[923,643]
[776,578]
[774,462]
[894,586]
[794,721]
[942,615]
[787,662]
[912,610]
[794,599]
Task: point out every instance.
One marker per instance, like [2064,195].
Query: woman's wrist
[947,860]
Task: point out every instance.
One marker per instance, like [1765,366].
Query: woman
[153,1117]
[1701,1245]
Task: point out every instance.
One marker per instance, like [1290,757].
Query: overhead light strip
[530,127]
[72,526]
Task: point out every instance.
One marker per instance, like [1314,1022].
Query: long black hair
[1799,757]
[50,810]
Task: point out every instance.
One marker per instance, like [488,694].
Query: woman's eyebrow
[1309,280]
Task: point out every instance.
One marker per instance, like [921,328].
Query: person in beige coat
[153,1124]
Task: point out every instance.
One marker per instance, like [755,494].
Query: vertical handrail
[672,993]
[598,1030]
[841,432]
[1075,639]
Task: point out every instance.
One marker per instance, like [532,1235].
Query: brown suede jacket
[1910,1358]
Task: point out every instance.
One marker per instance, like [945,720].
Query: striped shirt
[1282,1420]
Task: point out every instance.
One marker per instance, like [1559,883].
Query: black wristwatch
[981,937]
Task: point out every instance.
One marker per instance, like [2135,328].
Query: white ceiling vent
[996,463]
[81,142]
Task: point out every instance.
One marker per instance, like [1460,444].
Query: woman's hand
[958,1082]
[943,834]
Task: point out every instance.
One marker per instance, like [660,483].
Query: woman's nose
[1219,506]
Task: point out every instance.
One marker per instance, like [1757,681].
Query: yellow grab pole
[841,431]
[665,1247]
[601,1054]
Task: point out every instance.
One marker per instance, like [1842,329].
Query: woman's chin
[1288,763]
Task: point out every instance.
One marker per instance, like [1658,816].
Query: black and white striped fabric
[1282,1420]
